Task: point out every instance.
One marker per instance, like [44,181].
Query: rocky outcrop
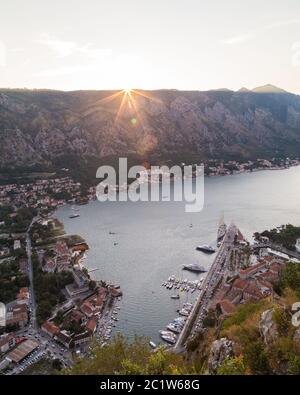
[220,350]
[37,126]
[268,327]
[296,337]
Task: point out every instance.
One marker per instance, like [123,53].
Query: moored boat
[74,215]
[206,248]
[194,267]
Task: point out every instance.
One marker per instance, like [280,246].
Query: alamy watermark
[153,184]
[296,315]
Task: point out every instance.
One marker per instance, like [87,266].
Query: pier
[214,275]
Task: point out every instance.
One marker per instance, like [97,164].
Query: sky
[149,44]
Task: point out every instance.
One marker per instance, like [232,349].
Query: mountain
[54,128]
[268,89]
[243,89]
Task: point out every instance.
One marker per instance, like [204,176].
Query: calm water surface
[156,238]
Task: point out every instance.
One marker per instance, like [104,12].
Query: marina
[182,285]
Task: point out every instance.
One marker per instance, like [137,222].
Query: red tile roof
[227,307]
[50,327]
[239,283]
[91,325]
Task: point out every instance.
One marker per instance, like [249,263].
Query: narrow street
[32,302]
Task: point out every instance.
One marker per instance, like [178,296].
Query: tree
[282,320]
[256,358]
[294,364]
[291,277]
[232,366]
[56,364]
[210,319]
[92,285]
[122,357]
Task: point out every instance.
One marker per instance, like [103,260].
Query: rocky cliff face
[41,126]
[220,350]
[267,327]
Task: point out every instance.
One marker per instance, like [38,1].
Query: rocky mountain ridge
[42,126]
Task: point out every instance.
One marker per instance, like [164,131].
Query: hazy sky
[182,44]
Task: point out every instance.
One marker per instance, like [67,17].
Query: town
[222,168]
[53,309]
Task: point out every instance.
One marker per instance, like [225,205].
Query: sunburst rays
[129,109]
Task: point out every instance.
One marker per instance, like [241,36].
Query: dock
[214,275]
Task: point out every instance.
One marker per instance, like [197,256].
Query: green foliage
[22,220]
[242,313]
[287,236]
[194,343]
[92,285]
[291,277]
[122,357]
[210,319]
[256,358]
[56,364]
[232,367]
[43,232]
[72,327]
[11,280]
[63,195]
[282,320]
[48,287]
[294,364]
[5,211]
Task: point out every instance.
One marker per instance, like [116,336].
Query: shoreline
[256,170]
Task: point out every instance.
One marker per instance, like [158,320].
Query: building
[17,315]
[246,273]
[23,265]
[239,284]
[22,351]
[61,248]
[64,338]
[73,289]
[91,325]
[49,266]
[93,305]
[80,247]
[252,293]
[7,341]
[63,263]
[23,296]
[82,339]
[80,278]
[87,309]
[50,329]
[17,244]
[77,316]
[298,245]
